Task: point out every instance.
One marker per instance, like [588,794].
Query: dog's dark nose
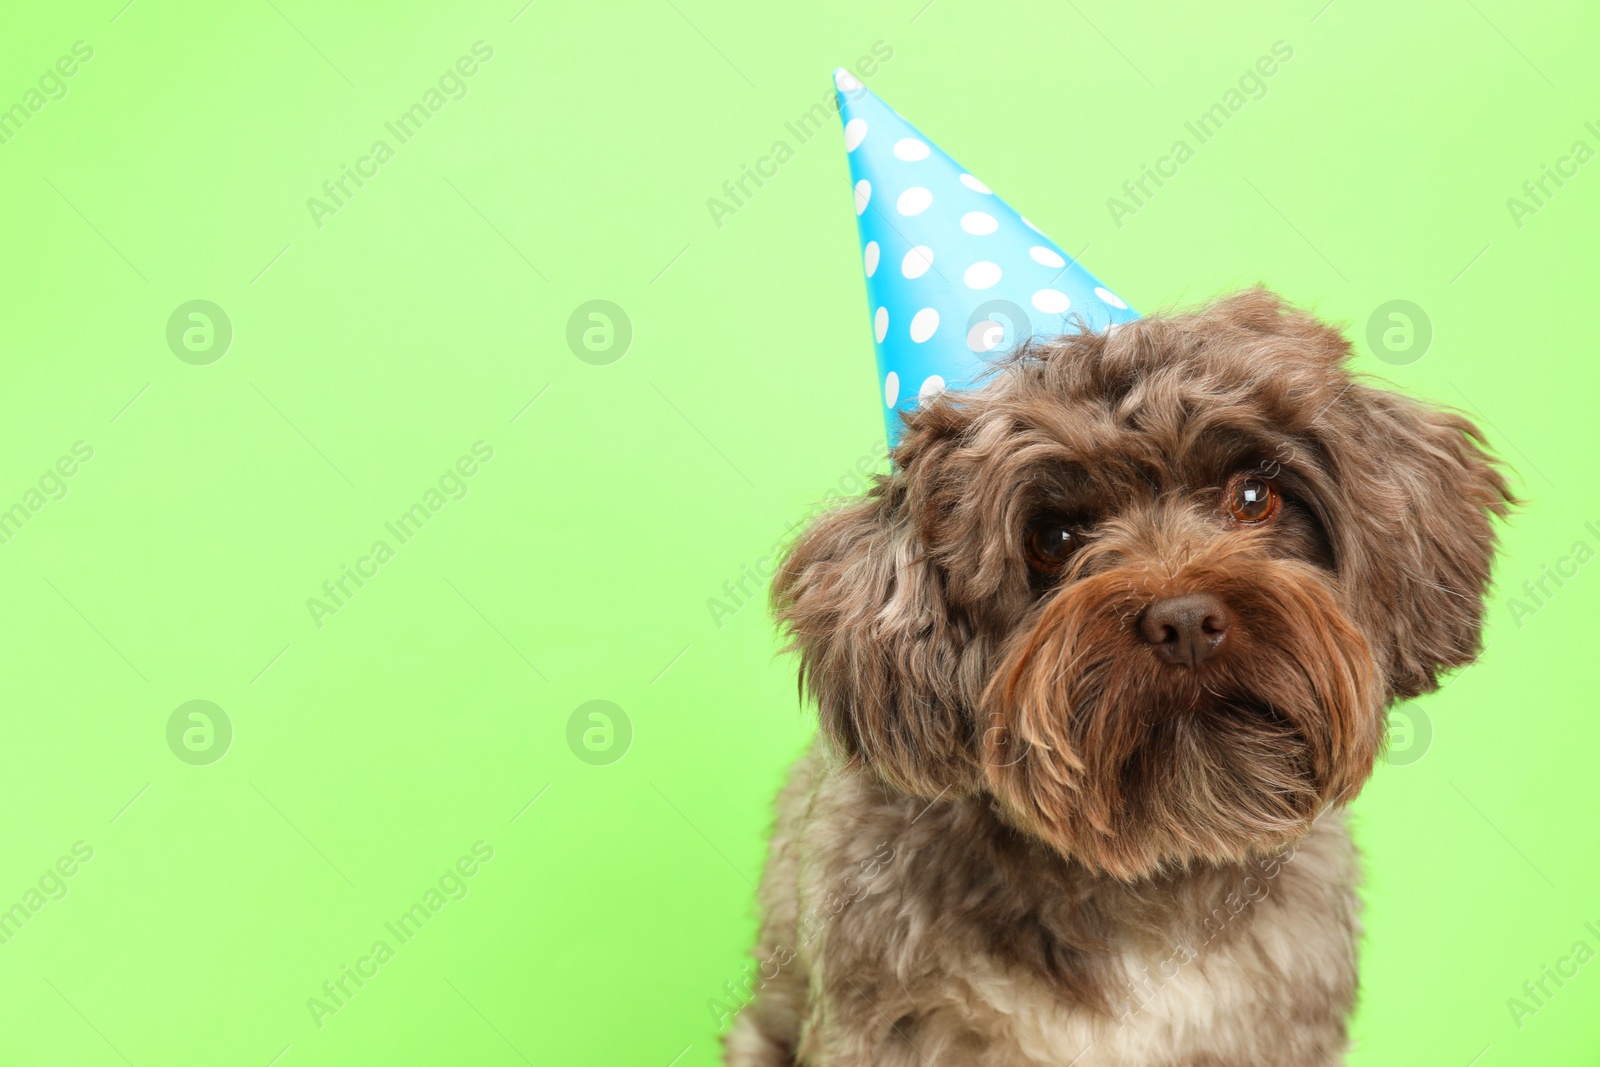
[1187,630]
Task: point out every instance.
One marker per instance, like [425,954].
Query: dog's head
[1152,591]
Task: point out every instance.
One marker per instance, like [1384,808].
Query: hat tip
[846,82]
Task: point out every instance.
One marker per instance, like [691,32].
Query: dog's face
[1152,591]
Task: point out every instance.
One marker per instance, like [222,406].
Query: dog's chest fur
[934,934]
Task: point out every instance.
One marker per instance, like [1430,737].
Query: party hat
[955,276]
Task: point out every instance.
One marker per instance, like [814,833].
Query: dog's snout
[1186,630]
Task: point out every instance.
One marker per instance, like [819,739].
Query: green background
[370,753]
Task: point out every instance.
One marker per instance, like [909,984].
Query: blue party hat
[955,276]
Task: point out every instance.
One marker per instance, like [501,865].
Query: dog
[1098,666]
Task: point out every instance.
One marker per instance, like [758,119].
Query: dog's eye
[1048,543]
[1252,500]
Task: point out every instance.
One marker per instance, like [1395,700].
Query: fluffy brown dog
[1098,666]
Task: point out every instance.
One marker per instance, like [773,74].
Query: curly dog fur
[1041,824]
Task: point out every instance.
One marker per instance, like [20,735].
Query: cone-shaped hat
[955,276]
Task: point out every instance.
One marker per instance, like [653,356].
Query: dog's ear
[1415,537]
[868,613]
